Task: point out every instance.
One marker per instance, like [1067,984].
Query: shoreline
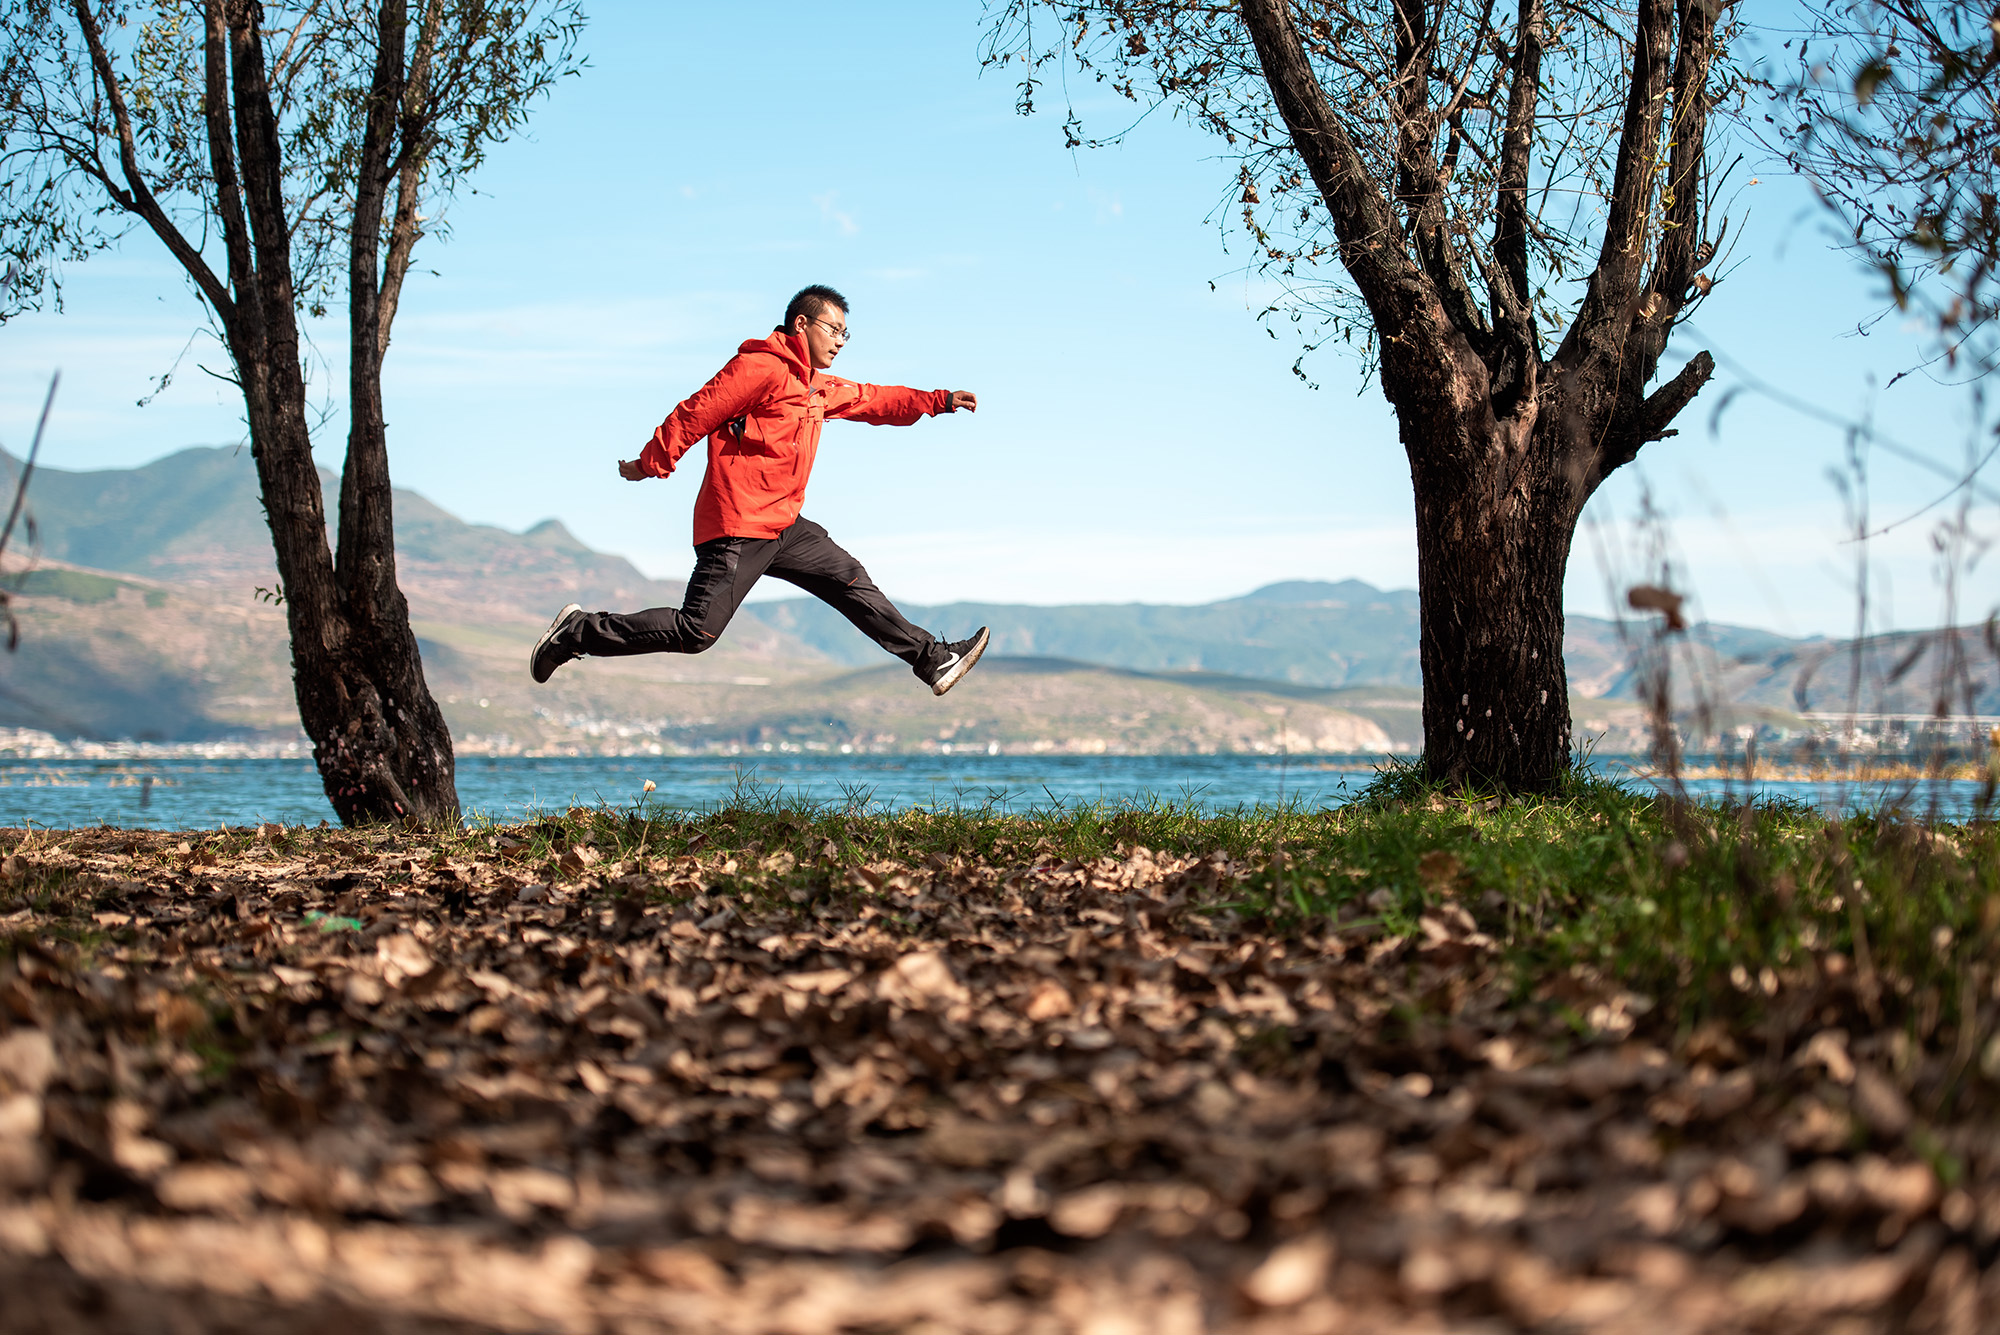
[1614,765]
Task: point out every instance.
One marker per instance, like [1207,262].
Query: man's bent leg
[724,571]
[813,561]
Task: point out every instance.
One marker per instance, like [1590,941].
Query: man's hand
[630,470]
[964,400]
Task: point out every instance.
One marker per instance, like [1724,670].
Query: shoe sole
[962,666]
[547,635]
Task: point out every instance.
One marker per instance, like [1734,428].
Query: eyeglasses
[838,333]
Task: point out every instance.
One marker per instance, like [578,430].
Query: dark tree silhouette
[1454,187]
[262,145]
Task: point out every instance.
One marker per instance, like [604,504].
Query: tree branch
[1636,420]
[282,67]
[1419,181]
[1416,171]
[372,176]
[141,200]
[1653,419]
[404,231]
[1613,296]
[260,152]
[1514,355]
[1664,404]
[1680,249]
[1372,244]
[365,559]
[1510,222]
[228,193]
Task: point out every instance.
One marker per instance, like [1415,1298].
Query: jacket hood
[788,348]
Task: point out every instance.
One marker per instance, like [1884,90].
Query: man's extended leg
[724,571]
[807,557]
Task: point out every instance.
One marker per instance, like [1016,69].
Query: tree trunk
[1490,577]
[378,738]
[398,728]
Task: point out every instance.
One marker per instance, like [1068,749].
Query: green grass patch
[454,636]
[77,586]
[1710,911]
[1734,913]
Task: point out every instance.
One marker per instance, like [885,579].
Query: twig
[20,499]
[28,468]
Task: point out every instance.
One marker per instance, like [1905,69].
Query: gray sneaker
[547,657]
[960,655]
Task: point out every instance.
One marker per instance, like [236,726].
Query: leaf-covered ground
[774,1072]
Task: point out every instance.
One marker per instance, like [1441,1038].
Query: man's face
[824,333]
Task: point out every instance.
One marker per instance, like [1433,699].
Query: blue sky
[1141,437]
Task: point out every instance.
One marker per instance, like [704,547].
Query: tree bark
[379,740]
[1493,542]
[394,732]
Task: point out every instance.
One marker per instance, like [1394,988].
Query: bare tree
[262,144]
[1441,183]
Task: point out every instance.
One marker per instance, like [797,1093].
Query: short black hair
[811,302]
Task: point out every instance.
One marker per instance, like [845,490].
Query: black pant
[724,571]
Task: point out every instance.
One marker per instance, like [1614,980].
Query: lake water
[201,793]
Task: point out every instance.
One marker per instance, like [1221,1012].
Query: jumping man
[761,415]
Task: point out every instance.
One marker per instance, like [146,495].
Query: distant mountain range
[141,618]
[1307,633]
[195,518]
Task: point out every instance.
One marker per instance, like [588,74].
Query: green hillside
[112,658]
[194,518]
[1301,631]
[1308,633]
[150,520]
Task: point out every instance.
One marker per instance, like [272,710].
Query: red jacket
[761,414]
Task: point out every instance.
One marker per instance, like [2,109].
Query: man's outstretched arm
[893,405]
[733,390]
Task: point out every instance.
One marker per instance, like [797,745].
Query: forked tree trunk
[1506,444]
[383,751]
[378,739]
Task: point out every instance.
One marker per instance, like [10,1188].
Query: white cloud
[844,221]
